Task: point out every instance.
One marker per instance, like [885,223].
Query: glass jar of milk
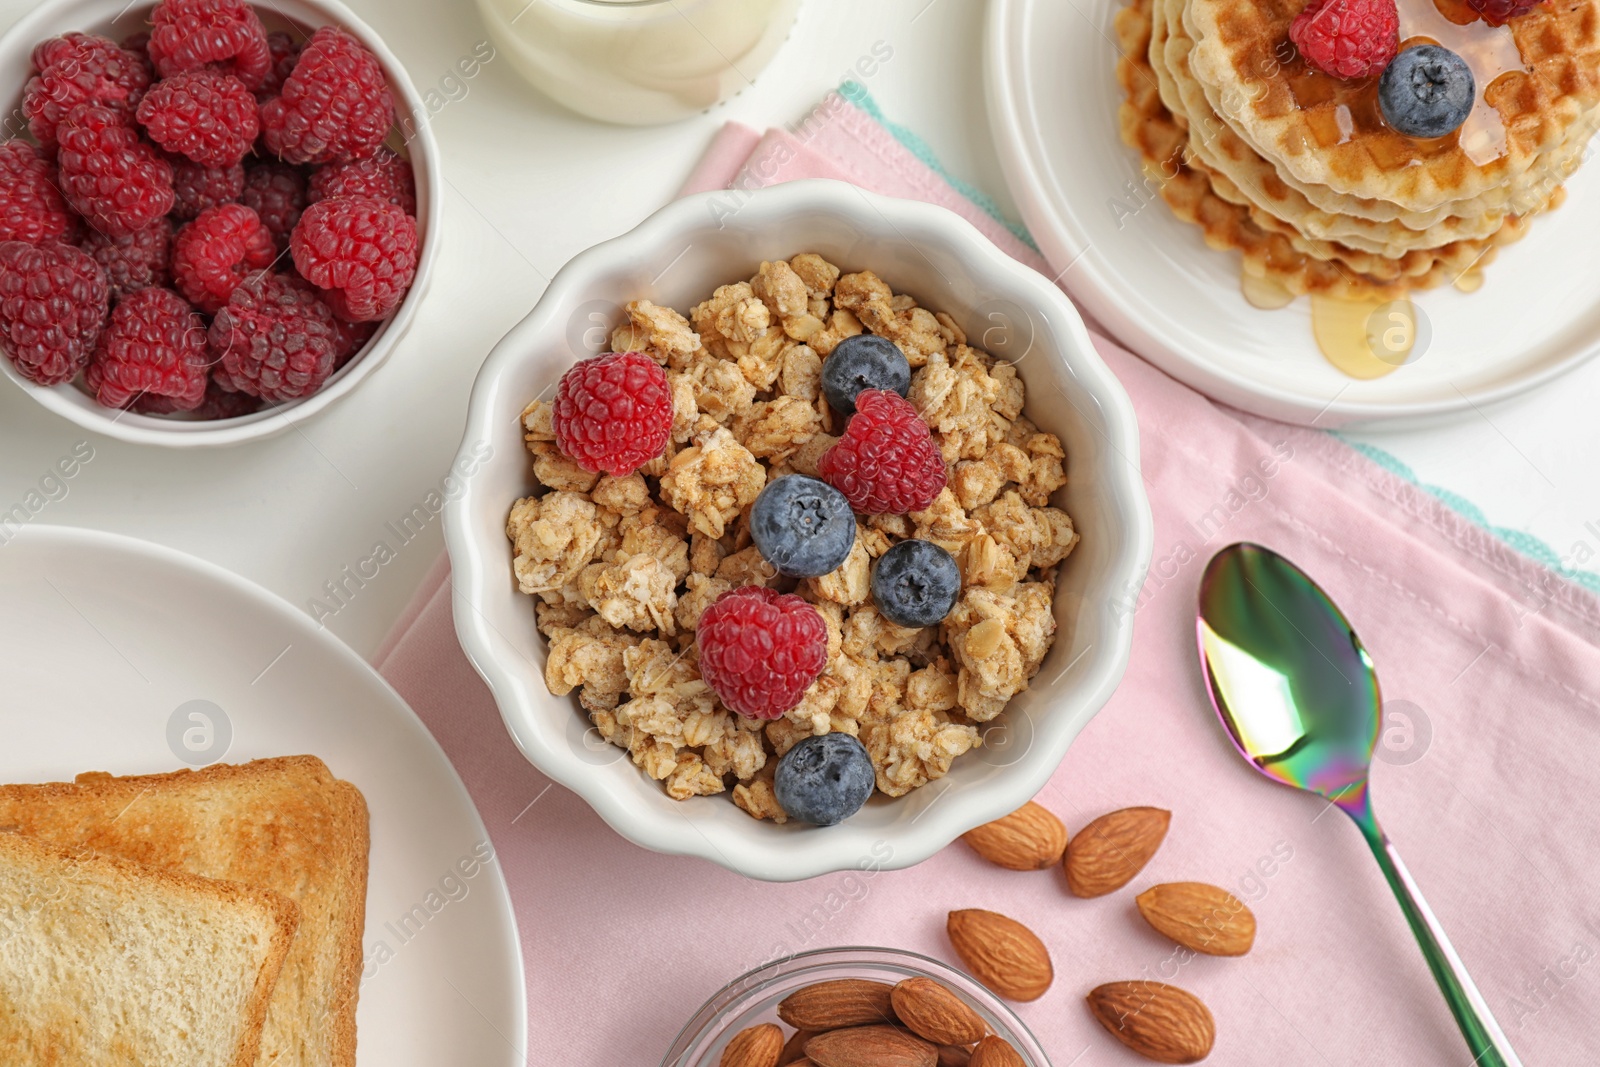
[639,61]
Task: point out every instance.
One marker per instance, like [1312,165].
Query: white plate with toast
[1150,279]
[358,868]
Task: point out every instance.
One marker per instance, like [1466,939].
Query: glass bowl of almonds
[855,1005]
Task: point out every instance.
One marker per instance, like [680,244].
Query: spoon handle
[1488,1042]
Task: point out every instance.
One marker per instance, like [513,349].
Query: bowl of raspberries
[214,217]
[800,537]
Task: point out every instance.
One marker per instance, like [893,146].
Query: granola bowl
[411,137]
[1032,338]
[752,999]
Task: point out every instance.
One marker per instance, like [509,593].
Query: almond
[1159,1022]
[871,1046]
[1106,854]
[1001,953]
[954,1056]
[930,1010]
[1200,917]
[995,1051]
[794,1050]
[758,1046]
[834,1004]
[1029,839]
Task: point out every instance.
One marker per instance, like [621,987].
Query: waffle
[1328,134]
[1267,245]
[1224,152]
[1521,192]
[1255,183]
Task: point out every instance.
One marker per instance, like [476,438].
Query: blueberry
[1426,91]
[802,526]
[824,780]
[865,361]
[915,583]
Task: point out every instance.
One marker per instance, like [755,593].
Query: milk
[639,62]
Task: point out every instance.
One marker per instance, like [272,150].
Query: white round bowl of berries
[215,218]
[796,530]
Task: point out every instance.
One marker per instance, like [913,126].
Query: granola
[712,480]
[623,567]
[659,332]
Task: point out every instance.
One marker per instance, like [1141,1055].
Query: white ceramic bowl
[118,19]
[677,257]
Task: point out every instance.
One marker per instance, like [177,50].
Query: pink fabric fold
[1485,778]
[840,141]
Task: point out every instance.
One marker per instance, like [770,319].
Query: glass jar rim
[762,975]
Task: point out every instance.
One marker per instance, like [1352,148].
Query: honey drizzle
[1264,293]
[1358,340]
[1490,52]
[1338,112]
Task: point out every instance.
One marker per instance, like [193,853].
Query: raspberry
[136,261]
[350,337]
[384,176]
[52,305]
[212,255]
[31,208]
[285,53]
[760,650]
[274,339]
[222,35]
[81,69]
[115,181]
[613,413]
[1497,12]
[222,403]
[197,187]
[335,104]
[218,403]
[155,345]
[276,192]
[886,463]
[1347,38]
[361,252]
[208,117]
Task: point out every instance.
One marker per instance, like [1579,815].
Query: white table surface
[529,185]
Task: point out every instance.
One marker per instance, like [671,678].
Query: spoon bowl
[1289,677]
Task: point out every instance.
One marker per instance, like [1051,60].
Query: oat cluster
[623,567]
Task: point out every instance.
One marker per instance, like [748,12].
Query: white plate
[105,637]
[1150,280]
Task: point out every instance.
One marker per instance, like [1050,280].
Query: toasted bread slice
[109,963]
[283,824]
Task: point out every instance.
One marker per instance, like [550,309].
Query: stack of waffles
[1296,170]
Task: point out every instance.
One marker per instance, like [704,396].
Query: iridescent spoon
[1299,696]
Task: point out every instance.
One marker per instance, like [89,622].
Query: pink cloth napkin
[1486,782]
